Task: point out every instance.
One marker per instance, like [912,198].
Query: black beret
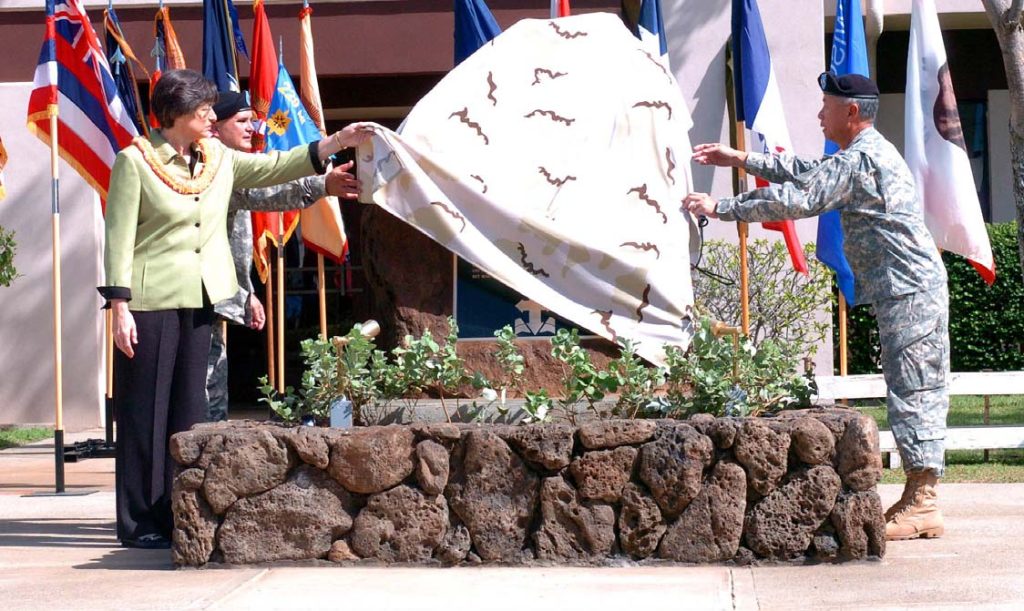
[848,85]
[230,103]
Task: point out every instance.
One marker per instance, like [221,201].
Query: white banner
[556,159]
[935,148]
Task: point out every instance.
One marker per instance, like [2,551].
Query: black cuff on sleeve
[114,292]
[314,157]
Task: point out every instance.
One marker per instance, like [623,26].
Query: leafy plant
[354,377]
[449,369]
[287,406]
[538,407]
[512,365]
[582,381]
[783,303]
[734,378]
[320,378]
[413,363]
[8,248]
[637,381]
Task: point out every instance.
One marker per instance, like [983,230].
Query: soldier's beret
[848,85]
[230,103]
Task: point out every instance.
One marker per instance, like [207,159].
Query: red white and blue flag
[559,8]
[759,104]
[73,82]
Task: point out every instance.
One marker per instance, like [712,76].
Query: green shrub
[782,302]
[986,323]
[724,377]
[7,250]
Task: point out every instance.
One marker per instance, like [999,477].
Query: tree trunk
[1005,17]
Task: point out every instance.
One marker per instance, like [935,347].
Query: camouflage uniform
[896,265]
[298,193]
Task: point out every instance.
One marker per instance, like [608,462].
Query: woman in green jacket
[167,260]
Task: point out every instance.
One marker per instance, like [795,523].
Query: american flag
[73,82]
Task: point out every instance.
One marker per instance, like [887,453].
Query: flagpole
[280,302]
[58,368]
[109,403]
[743,229]
[269,316]
[738,137]
[321,294]
[842,335]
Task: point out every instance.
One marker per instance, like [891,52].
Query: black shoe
[152,541]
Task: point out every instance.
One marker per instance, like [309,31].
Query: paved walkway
[60,552]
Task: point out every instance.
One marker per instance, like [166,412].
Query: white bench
[985,384]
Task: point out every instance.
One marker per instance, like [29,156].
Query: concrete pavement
[60,552]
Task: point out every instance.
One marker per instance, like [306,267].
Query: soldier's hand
[700,204]
[341,183]
[719,155]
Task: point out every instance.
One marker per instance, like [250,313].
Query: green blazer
[165,225]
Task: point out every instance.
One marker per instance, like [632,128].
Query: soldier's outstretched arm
[300,193]
[780,167]
[829,185]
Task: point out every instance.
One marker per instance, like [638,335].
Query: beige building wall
[27,392]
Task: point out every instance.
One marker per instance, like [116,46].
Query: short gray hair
[867,107]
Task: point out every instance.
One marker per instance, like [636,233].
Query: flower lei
[212,157]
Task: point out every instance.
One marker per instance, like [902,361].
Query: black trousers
[157,393]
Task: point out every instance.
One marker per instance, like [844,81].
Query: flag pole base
[90,448]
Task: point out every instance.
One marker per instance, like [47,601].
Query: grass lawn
[11,437]
[1003,466]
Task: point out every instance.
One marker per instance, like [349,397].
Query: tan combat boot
[920,518]
[906,499]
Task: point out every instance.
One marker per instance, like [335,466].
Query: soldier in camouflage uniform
[895,262]
[234,128]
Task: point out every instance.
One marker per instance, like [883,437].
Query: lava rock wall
[799,485]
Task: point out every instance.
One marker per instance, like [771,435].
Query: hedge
[986,323]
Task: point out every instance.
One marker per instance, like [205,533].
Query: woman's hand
[718,154]
[353,135]
[126,336]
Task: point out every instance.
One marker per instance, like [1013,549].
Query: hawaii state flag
[288,126]
[935,150]
[323,231]
[849,56]
[73,83]
[759,104]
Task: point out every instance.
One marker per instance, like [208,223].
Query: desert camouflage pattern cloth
[556,159]
[896,265]
[300,193]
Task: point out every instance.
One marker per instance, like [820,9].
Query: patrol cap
[230,103]
[847,86]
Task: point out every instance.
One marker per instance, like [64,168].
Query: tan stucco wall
[26,307]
